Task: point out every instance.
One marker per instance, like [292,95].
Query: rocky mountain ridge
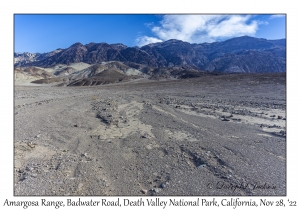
[242,54]
[21,59]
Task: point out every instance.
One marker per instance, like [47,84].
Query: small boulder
[144,191]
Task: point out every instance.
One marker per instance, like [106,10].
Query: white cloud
[232,26]
[144,40]
[276,16]
[201,28]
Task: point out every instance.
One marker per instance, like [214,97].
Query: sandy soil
[24,79]
[215,135]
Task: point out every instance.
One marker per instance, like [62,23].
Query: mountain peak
[246,37]
[119,45]
[174,40]
[77,44]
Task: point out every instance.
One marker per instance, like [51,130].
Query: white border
[8,8]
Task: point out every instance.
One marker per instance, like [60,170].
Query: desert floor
[214,135]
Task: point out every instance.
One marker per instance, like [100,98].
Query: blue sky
[44,33]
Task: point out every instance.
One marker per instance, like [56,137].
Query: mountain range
[241,54]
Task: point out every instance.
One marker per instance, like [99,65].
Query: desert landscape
[214,134]
[170,118]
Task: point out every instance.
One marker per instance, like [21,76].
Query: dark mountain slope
[241,54]
[247,62]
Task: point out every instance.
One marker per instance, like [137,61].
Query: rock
[23,177]
[20,170]
[224,119]
[31,145]
[279,117]
[144,191]
[38,136]
[146,135]
[163,185]
[236,119]
[282,132]
[157,190]
[201,166]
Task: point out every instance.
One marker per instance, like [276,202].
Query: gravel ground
[214,135]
